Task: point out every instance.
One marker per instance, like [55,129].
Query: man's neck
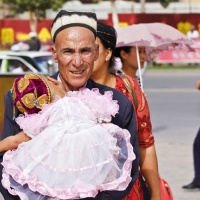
[68,88]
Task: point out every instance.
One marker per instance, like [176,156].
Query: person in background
[21,69]
[198,85]
[34,43]
[75,50]
[129,67]
[128,58]
[103,73]
[193,33]
[195,184]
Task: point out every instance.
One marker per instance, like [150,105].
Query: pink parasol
[156,37]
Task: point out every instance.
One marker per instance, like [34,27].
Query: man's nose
[77,59]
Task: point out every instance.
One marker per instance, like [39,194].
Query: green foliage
[165,3]
[38,7]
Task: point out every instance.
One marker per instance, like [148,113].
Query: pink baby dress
[75,151]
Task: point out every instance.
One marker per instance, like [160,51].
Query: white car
[27,61]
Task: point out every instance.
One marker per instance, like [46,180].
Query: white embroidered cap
[65,19]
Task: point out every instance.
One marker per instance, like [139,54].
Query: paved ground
[175,113]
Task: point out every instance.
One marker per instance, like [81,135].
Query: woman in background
[103,73]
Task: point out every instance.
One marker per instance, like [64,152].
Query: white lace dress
[75,151]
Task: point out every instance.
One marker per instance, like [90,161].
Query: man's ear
[96,51]
[54,53]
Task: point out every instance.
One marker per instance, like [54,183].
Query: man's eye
[67,51]
[85,50]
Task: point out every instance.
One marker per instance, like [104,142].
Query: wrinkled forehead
[75,36]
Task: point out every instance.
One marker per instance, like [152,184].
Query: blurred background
[19,18]
[169,78]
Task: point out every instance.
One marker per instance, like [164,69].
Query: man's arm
[10,127]
[13,141]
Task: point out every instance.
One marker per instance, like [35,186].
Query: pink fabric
[73,153]
[156,37]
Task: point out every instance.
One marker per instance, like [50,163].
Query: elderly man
[75,51]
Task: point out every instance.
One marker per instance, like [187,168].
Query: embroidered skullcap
[107,34]
[66,19]
[30,93]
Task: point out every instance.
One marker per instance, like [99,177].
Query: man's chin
[76,86]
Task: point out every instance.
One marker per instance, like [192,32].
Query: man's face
[75,52]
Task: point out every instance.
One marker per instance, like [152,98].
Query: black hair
[108,36]
[127,49]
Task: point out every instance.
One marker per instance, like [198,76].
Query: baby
[68,148]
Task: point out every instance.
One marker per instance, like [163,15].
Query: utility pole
[142,3]
[115,18]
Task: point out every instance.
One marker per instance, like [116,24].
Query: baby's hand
[58,84]
[56,87]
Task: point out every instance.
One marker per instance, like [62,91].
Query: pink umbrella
[156,37]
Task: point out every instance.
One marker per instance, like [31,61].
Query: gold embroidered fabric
[20,107]
[29,93]
[24,82]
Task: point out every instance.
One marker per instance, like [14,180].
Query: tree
[165,3]
[36,8]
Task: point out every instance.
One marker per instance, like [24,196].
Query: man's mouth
[77,72]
